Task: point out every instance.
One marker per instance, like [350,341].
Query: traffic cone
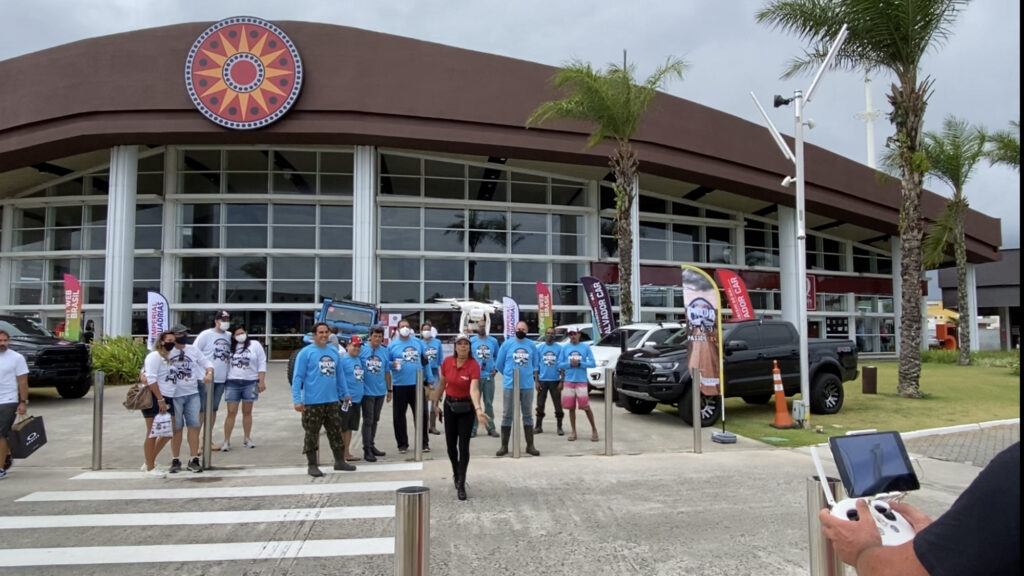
[782,417]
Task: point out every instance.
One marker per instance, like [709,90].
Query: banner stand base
[723,437]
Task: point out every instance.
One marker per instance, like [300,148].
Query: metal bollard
[98,377]
[695,394]
[417,420]
[609,391]
[517,415]
[824,560]
[412,531]
[207,438]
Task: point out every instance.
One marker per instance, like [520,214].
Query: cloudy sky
[976,72]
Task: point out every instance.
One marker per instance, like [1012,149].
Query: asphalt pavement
[655,507]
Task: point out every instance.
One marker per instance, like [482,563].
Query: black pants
[549,386]
[405,397]
[457,428]
[371,407]
[318,416]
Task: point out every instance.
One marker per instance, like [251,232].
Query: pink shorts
[575,395]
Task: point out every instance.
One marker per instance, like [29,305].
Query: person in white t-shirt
[186,361]
[13,395]
[156,375]
[247,373]
[215,344]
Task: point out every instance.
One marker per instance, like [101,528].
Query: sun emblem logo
[243,73]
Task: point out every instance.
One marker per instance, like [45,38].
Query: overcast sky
[976,73]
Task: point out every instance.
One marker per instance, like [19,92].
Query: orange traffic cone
[782,417]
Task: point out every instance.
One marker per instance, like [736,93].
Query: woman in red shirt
[459,384]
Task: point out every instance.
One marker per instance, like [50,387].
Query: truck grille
[56,357]
[633,370]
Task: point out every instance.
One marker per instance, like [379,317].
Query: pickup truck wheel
[75,389]
[291,366]
[826,394]
[637,406]
[710,408]
[758,399]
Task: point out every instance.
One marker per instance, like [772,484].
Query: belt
[454,399]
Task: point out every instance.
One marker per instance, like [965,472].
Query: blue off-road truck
[350,317]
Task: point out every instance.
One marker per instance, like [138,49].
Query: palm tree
[891,35]
[613,102]
[1006,147]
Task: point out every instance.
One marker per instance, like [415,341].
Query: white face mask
[426,334]
[240,338]
[404,331]
[225,325]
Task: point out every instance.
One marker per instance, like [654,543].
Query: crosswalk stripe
[159,493]
[197,552]
[248,472]
[200,518]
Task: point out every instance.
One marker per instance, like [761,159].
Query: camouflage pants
[326,416]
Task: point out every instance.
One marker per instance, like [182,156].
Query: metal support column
[97,419]
[609,392]
[824,560]
[207,438]
[695,394]
[412,531]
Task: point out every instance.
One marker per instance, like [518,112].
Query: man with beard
[376,389]
[408,354]
[485,348]
[518,355]
[215,344]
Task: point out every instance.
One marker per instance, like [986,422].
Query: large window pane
[445,188]
[399,239]
[568,193]
[529,243]
[291,268]
[199,291]
[399,292]
[245,267]
[296,214]
[238,292]
[336,162]
[200,267]
[336,185]
[200,214]
[338,216]
[246,213]
[529,271]
[334,289]
[245,237]
[452,270]
[529,222]
[434,290]
[292,291]
[247,160]
[247,183]
[297,237]
[399,269]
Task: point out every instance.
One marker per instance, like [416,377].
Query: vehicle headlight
[602,363]
[670,366]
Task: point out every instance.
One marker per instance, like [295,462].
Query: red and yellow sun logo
[243,73]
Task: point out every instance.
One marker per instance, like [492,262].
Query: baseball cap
[462,336]
[355,340]
[179,329]
[222,314]
[572,330]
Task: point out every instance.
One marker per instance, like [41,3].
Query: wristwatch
[25,402]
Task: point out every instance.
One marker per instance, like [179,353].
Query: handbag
[460,406]
[26,436]
[139,397]
[161,426]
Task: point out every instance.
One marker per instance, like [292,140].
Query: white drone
[473,313]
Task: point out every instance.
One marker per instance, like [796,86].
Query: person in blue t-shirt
[355,369]
[485,348]
[550,381]
[317,387]
[435,355]
[518,355]
[575,360]
[376,389]
[408,354]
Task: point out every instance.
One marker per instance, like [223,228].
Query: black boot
[460,487]
[537,429]
[506,431]
[340,463]
[312,469]
[560,431]
[529,441]
[368,455]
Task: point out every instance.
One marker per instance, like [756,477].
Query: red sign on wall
[812,293]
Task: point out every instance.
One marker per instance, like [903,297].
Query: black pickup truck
[51,361]
[656,375]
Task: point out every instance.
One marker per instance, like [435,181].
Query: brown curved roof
[363,87]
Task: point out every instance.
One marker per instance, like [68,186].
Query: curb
[958,428]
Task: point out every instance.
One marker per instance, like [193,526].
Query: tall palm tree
[1006,147]
[890,35]
[952,155]
[614,103]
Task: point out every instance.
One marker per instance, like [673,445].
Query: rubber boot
[528,430]
[340,463]
[537,429]
[506,431]
[312,469]
[560,431]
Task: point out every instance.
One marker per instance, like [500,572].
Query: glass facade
[267,233]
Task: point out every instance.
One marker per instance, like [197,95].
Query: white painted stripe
[248,472]
[158,493]
[198,518]
[197,552]
[994,423]
[937,431]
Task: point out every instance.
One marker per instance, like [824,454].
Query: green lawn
[953,395]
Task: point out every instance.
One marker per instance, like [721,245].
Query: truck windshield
[22,327]
[678,338]
[349,316]
[633,338]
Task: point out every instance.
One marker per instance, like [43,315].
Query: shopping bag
[139,397]
[161,426]
[26,436]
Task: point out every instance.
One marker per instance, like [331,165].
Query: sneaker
[175,466]
[3,474]
[144,467]
[225,447]
[426,448]
[248,443]
[403,450]
[156,473]
[492,433]
[194,465]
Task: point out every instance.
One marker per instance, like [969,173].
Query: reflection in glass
[245,267]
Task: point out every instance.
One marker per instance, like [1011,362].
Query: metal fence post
[207,438]
[98,377]
[517,415]
[695,394]
[412,531]
[609,392]
[824,560]
[417,421]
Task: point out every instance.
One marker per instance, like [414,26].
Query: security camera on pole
[799,101]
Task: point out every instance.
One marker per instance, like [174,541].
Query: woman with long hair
[155,372]
[459,385]
[247,373]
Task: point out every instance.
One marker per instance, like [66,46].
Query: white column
[897,296]
[634,219]
[6,263]
[364,225]
[1005,330]
[168,275]
[972,306]
[791,293]
[120,252]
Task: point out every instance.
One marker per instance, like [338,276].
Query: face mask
[520,334]
[225,325]
[426,334]
[404,331]
[240,338]
[549,339]
[168,346]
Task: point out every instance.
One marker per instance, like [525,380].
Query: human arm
[261,365]
[474,393]
[438,393]
[204,362]
[298,379]
[341,381]
[588,358]
[151,373]
[23,393]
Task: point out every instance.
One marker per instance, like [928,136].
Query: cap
[222,314]
[356,341]
[179,329]
[462,337]
[572,330]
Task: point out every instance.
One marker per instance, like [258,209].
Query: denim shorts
[186,411]
[218,392]
[240,391]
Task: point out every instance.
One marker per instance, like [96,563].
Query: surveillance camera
[781,101]
[787,181]
[811,123]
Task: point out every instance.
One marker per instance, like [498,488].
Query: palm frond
[954,152]
[940,236]
[1006,147]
